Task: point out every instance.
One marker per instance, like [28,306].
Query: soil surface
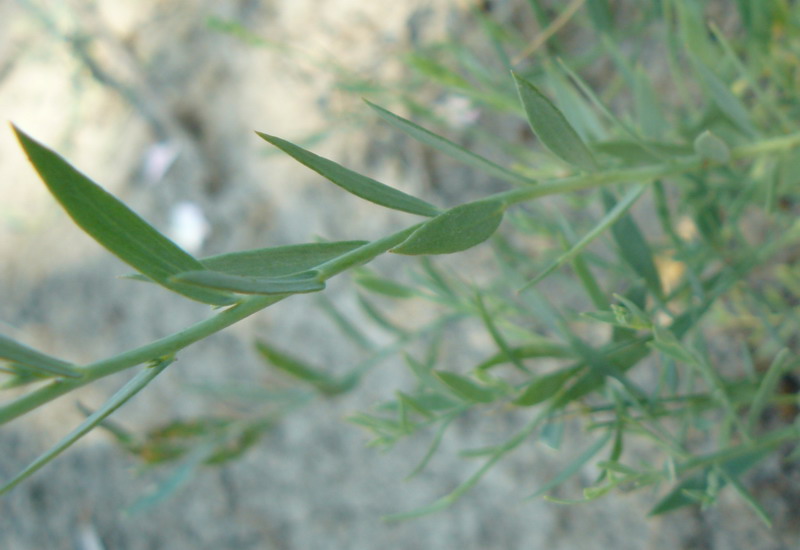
[154,101]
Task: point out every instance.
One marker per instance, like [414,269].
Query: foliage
[629,339]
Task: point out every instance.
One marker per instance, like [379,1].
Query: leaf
[381,285]
[457,229]
[708,146]
[728,103]
[289,364]
[448,147]
[552,128]
[112,224]
[300,283]
[678,498]
[116,401]
[648,152]
[353,182]
[766,390]
[633,247]
[464,388]
[279,261]
[544,387]
[573,467]
[24,356]
[611,217]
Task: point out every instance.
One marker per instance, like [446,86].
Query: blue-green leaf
[448,147]
[114,225]
[11,350]
[279,261]
[457,229]
[465,388]
[302,282]
[552,128]
[353,182]
[116,401]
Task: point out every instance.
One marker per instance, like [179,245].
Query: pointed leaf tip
[353,182]
[552,128]
[113,225]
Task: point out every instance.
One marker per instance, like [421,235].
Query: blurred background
[157,101]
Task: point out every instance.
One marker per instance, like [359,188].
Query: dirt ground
[160,108]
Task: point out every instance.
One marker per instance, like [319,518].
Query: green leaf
[112,224]
[353,182]
[534,348]
[457,229]
[766,390]
[633,247]
[289,364]
[279,261]
[678,497]
[552,128]
[544,387]
[381,285]
[448,147]
[116,401]
[464,388]
[710,147]
[302,282]
[11,350]
[647,152]
[611,217]
[727,102]
[573,467]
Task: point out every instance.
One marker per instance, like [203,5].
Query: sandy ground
[162,76]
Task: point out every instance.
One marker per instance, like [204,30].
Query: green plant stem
[642,174]
[173,343]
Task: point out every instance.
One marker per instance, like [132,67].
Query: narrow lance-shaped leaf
[608,220]
[544,387]
[279,261]
[302,282]
[448,147]
[116,401]
[457,229]
[552,128]
[464,387]
[289,364]
[353,182]
[114,225]
[633,247]
[727,102]
[13,351]
[573,467]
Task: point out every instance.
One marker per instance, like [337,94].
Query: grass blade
[116,401]
[353,182]
[552,128]
[112,224]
